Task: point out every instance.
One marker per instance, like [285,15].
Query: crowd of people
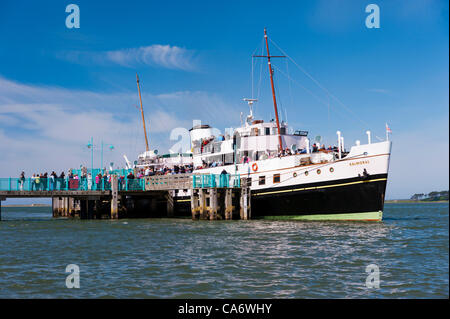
[100,181]
[165,170]
[42,181]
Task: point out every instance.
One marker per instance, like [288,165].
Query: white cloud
[171,57]
[47,128]
[156,55]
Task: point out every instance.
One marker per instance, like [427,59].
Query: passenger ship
[289,180]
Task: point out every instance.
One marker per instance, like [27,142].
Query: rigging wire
[260,74]
[309,91]
[261,45]
[320,85]
[277,95]
[289,84]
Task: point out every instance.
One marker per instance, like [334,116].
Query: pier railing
[156,182]
[68,184]
[216,180]
[164,182]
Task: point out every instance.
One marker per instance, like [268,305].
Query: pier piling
[220,203]
[170,204]
[202,203]
[228,204]
[245,203]
[213,205]
[114,197]
[195,203]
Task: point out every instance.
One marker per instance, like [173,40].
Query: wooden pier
[158,197]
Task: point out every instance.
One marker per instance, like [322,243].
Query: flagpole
[387,133]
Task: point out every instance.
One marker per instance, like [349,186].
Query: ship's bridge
[262,137]
[256,140]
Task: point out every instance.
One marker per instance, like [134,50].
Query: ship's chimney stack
[368,137]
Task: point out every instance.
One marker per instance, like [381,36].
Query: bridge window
[267,130]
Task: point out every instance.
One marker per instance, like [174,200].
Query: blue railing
[104,183]
[96,171]
[69,184]
[215,180]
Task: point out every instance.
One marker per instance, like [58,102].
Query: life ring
[254,167]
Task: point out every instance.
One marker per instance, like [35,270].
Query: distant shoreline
[407,201]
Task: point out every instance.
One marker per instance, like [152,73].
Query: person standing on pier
[21,180]
[130,178]
[61,181]
[44,181]
[105,180]
[52,180]
[97,181]
[33,182]
[89,181]
[38,182]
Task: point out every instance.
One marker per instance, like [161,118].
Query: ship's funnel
[199,132]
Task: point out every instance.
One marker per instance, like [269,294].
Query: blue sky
[60,86]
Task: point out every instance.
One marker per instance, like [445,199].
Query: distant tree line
[431,197]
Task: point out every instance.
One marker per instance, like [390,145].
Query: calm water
[226,259]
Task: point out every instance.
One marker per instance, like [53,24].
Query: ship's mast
[268,56]
[142,113]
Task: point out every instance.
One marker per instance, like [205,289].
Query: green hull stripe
[369,216]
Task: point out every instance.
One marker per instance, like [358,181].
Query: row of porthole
[318,172]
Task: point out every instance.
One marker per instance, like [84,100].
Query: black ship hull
[359,198]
